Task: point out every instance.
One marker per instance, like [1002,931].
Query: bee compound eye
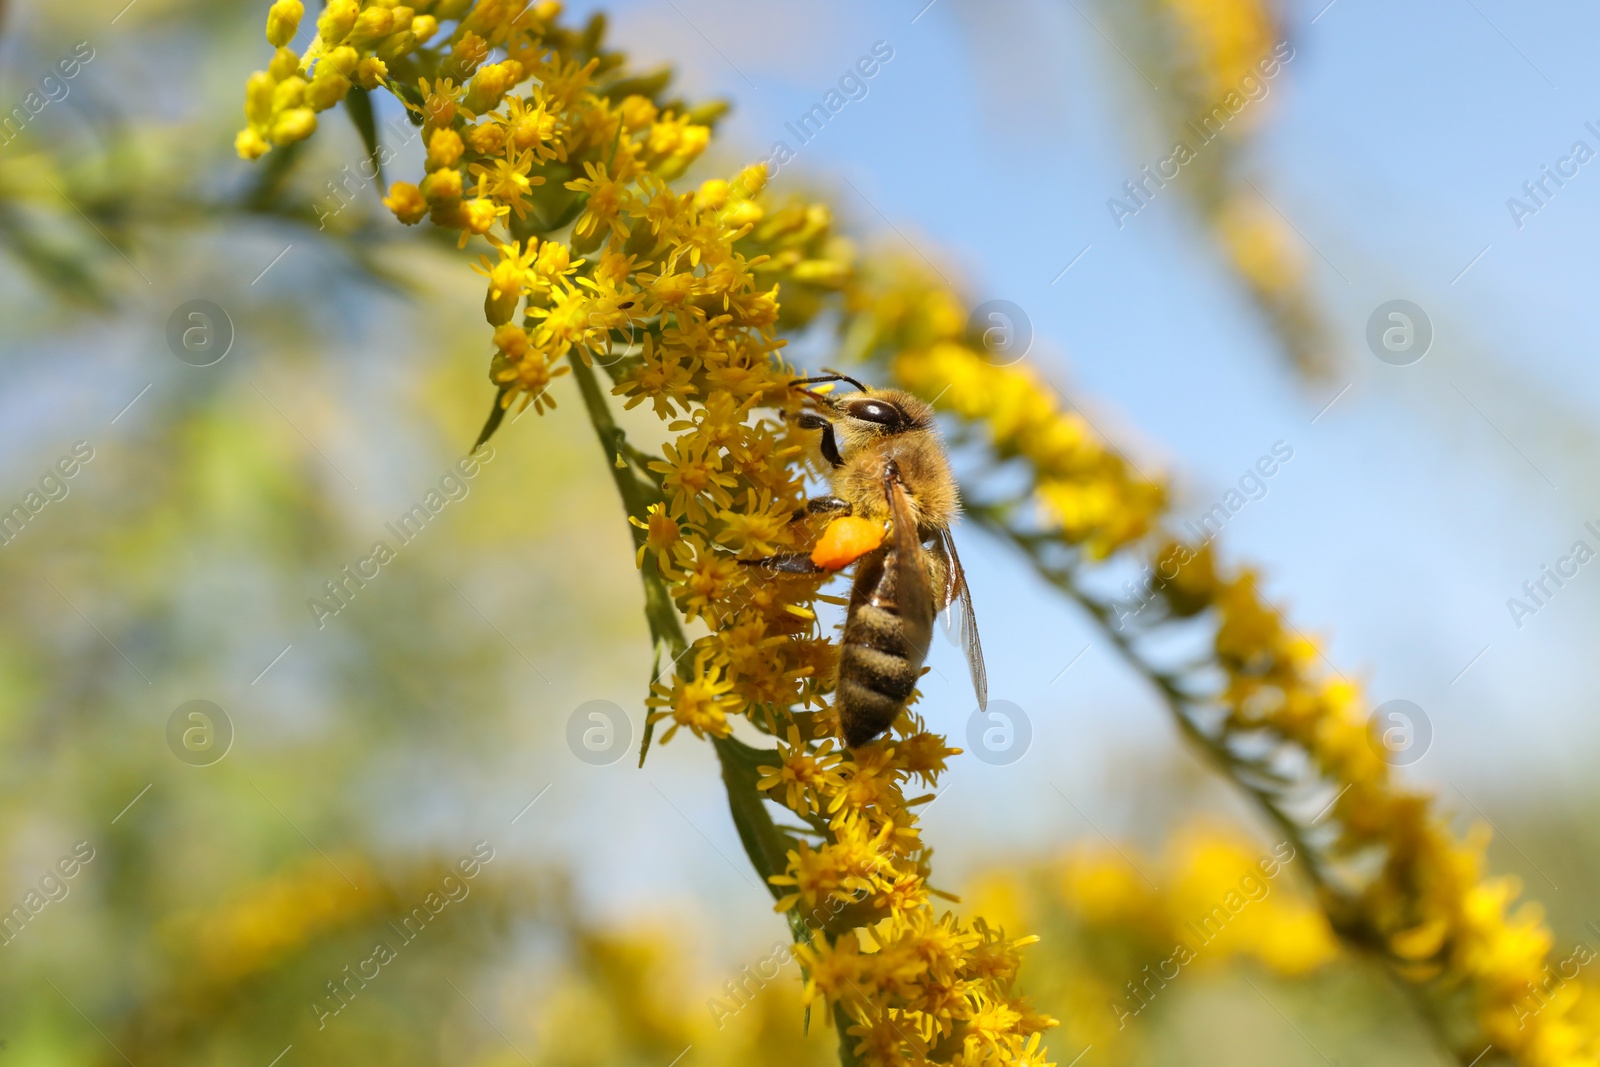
[875,411]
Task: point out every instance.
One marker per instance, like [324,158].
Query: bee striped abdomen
[878,669]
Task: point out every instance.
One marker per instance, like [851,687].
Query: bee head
[851,421]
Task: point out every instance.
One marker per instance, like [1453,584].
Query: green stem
[666,626]
[765,842]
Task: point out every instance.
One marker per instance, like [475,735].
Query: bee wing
[913,588]
[958,597]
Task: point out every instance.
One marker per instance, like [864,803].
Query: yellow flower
[507,279]
[803,773]
[606,200]
[661,533]
[508,181]
[688,474]
[700,700]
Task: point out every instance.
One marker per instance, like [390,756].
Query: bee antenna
[831,376]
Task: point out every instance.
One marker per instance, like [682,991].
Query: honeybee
[888,465]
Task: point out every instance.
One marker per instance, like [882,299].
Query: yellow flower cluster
[1118,942]
[675,295]
[276,917]
[1222,59]
[1429,910]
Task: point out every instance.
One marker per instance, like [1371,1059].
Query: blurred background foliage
[373,753]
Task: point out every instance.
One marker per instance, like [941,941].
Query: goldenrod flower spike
[678,295]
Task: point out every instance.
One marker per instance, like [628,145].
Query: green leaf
[767,846]
[647,85]
[497,415]
[358,104]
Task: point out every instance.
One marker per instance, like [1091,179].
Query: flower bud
[327,88]
[486,138]
[397,45]
[490,84]
[500,303]
[466,55]
[289,93]
[743,213]
[424,27]
[338,18]
[407,203]
[751,180]
[370,72]
[258,92]
[637,112]
[823,272]
[250,144]
[283,21]
[444,149]
[296,124]
[372,25]
[442,186]
[285,64]
[712,194]
[512,340]
[344,59]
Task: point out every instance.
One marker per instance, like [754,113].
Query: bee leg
[786,563]
[822,505]
[829,444]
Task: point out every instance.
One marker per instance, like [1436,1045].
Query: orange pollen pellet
[846,540]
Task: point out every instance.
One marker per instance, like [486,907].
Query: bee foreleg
[786,563]
[823,505]
[829,443]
